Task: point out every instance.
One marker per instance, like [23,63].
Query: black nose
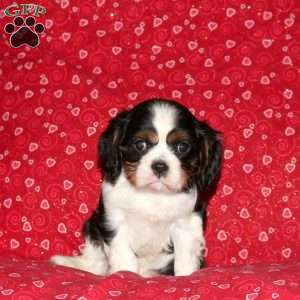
[160,168]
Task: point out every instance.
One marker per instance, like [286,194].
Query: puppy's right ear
[109,147]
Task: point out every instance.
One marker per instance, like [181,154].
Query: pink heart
[89,164]
[50,162]
[45,244]
[100,33]
[208,63]
[139,30]
[243,254]
[29,182]
[5,116]
[288,94]
[267,159]
[177,29]
[267,42]
[289,131]
[228,154]
[18,131]
[112,85]
[249,24]
[61,228]
[133,95]
[39,111]
[229,112]
[227,190]
[170,64]
[157,22]
[58,93]
[248,168]
[266,191]
[118,25]
[192,45]
[134,66]
[90,131]
[29,94]
[263,236]
[208,94]
[83,54]
[15,164]
[43,79]
[230,12]
[246,61]
[65,36]
[222,236]
[44,204]
[38,283]
[287,60]
[212,26]
[97,70]
[247,95]
[244,213]
[268,113]
[287,252]
[7,202]
[33,147]
[83,208]
[156,49]
[230,44]
[75,111]
[289,22]
[116,50]
[226,80]
[176,94]
[75,79]
[94,94]
[290,167]
[265,80]
[27,227]
[70,150]
[14,244]
[287,213]
[193,12]
[52,128]
[267,15]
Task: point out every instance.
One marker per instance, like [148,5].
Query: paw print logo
[24,32]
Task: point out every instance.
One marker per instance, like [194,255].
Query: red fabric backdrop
[234,63]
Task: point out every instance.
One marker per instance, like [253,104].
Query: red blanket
[71,67]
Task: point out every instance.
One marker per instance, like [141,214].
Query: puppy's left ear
[211,154]
[109,147]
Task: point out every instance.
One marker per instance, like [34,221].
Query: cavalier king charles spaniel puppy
[158,162]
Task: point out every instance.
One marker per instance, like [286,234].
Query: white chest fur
[147,216]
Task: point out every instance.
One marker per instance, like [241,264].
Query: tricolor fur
[158,161]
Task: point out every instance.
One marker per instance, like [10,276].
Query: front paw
[125,265]
[59,260]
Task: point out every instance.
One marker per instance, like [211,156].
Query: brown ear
[211,154]
[109,147]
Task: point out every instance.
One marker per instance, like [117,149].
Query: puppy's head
[161,147]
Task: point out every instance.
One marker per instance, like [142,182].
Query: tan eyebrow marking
[177,135]
[148,135]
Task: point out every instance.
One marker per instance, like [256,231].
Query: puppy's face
[161,147]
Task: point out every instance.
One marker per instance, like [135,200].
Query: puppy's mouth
[160,185]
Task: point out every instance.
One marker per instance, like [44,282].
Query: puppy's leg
[121,256]
[189,243]
[93,259]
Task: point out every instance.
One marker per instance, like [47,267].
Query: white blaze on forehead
[163,120]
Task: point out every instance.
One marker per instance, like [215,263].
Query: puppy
[157,160]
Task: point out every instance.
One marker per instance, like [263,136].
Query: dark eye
[183,147]
[140,145]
